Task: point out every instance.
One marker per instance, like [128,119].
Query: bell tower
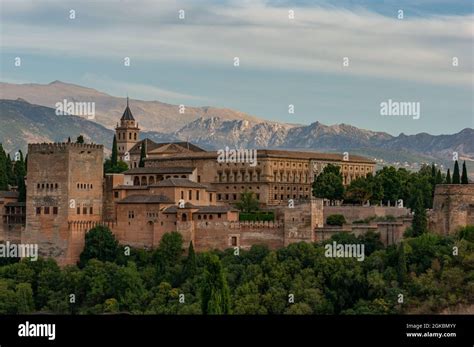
[127,134]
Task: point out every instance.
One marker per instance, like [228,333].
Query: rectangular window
[190,195]
[46,210]
[210,197]
[38,210]
[55,210]
[91,210]
[234,196]
[182,194]
[199,179]
[234,241]
[116,195]
[219,197]
[84,210]
[78,210]
[131,214]
[197,194]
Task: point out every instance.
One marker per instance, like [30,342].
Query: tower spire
[127,100]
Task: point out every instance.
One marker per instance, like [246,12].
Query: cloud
[262,36]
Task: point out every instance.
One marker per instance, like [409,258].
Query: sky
[282,61]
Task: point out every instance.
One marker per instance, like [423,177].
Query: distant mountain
[22,122]
[151,115]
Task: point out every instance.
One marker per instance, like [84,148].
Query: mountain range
[27,115]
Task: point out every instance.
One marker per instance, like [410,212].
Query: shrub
[336,219]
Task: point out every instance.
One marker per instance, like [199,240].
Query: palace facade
[181,187]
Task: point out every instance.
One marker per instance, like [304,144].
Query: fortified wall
[453,207]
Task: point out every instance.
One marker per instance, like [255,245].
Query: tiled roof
[158,170]
[271,153]
[201,209]
[179,182]
[8,194]
[145,199]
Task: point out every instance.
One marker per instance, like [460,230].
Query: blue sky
[282,61]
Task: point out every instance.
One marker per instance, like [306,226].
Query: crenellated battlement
[54,147]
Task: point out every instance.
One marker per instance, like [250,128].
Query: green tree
[335,219]
[359,191]
[111,305]
[10,174]
[464,179]
[215,293]
[448,177]
[402,264]
[456,177]
[114,156]
[24,298]
[328,184]
[439,177]
[391,183]
[419,219]
[80,139]
[171,248]
[3,170]
[142,154]
[100,244]
[19,171]
[119,168]
[190,264]
[248,202]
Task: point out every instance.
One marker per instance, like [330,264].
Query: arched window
[136,181]
[184,217]
[144,182]
[135,136]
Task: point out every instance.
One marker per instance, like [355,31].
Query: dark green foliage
[215,294]
[464,179]
[257,216]
[257,281]
[80,139]
[114,155]
[120,167]
[335,219]
[419,219]
[100,244]
[448,177]
[456,176]
[328,184]
[142,154]
[248,202]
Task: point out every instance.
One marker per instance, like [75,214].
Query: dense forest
[424,274]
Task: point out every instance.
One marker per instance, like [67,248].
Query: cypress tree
[215,294]
[142,154]
[439,177]
[3,170]
[80,139]
[10,173]
[189,268]
[464,179]
[419,220]
[448,177]
[114,157]
[402,264]
[20,173]
[456,178]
